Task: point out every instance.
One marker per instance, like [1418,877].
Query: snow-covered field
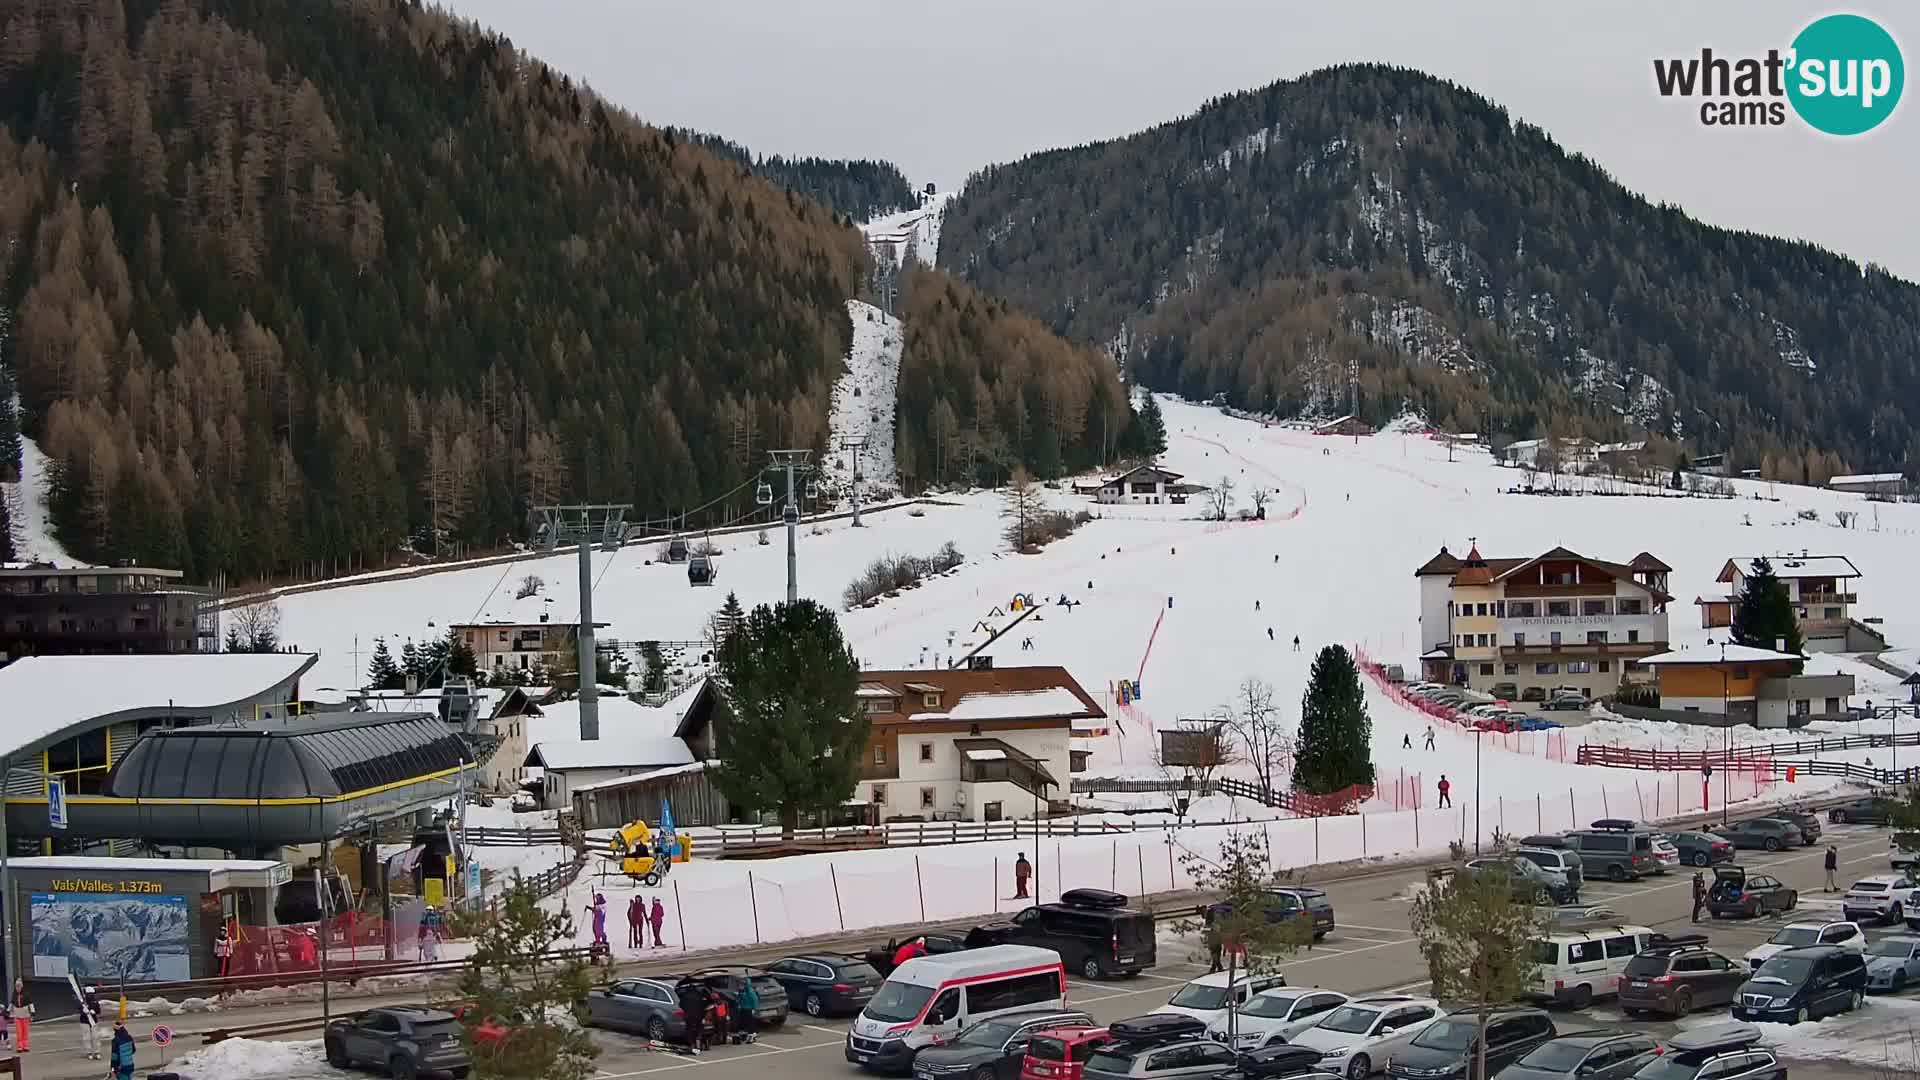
[1348,522]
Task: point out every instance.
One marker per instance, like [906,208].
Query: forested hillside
[858,190]
[984,388]
[1381,219]
[295,283]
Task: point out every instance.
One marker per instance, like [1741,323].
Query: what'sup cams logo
[1841,76]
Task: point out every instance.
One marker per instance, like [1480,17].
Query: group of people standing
[640,918]
[18,1026]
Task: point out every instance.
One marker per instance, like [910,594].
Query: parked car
[880,957]
[406,1041]
[1563,863]
[826,984]
[639,1007]
[1738,894]
[1608,1054]
[1359,1037]
[1903,851]
[1841,935]
[1699,848]
[1804,984]
[1530,883]
[1061,1053]
[1277,1015]
[1616,854]
[1665,853]
[1450,1045]
[1158,1047]
[1280,1062]
[993,1049]
[1207,997]
[1720,1051]
[1567,703]
[727,981]
[1093,930]
[1311,906]
[1766,834]
[1809,824]
[1675,979]
[1883,897]
[1871,810]
[1892,963]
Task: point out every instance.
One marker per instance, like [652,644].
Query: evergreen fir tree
[1153,429]
[460,658]
[726,619]
[435,658]
[412,664]
[234,642]
[1763,614]
[383,673]
[6,531]
[9,421]
[1336,734]
[793,739]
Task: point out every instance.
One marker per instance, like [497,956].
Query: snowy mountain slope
[1348,523]
[915,231]
[33,539]
[863,402]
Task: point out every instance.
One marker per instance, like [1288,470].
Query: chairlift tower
[857,445]
[584,524]
[794,463]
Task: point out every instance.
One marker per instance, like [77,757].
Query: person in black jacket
[1833,863]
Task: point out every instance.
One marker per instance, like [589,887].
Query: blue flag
[666,826]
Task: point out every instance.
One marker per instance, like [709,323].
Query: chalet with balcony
[1822,589]
[1740,684]
[969,745]
[1524,627]
[522,646]
[48,610]
[1148,484]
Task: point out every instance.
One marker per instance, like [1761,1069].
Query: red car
[1062,1053]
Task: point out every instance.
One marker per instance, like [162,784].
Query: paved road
[1371,951]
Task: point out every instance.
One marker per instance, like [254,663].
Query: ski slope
[863,404]
[1348,522]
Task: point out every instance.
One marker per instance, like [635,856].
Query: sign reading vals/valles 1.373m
[97,885]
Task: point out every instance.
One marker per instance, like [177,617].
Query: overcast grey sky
[942,89]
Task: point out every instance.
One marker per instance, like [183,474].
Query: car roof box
[1157,1027]
[1732,1036]
[1282,1060]
[1093,898]
[1614,825]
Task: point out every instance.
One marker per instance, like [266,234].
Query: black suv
[1310,906]
[1871,810]
[994,1048]
[1588,1055]
[1679,976]
[406,1041]
[820,984]
[1809,824]
[1092,929]
[1447,1046]
[1804,984]
[1733,1052]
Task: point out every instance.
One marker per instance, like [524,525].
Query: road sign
[57,803]
[162,1035]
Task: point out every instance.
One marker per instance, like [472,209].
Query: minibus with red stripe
[929,999]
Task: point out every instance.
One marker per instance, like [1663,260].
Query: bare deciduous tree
[255,628]
[1261,497]
[1220,498]
[1266,740]
[1195,750]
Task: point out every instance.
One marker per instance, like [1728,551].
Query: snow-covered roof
[874,690]
[986,755]
[1018,705]
[651,774]
[119,864]
[46,696]
[1712,654]
[1794,566]
[621,752]
[1866,478]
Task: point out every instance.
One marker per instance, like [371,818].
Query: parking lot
[1371,951]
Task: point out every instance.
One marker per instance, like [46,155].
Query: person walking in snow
[1022,870]
[1256,605]
[659,917]
[1296,643]
[1429,736]
[1406,742]
[636,922]
[1699,893]
[1269,633]
[1446,790]
[1832,864]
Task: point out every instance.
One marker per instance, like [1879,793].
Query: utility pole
[857,444]
[584,524]
[793,463]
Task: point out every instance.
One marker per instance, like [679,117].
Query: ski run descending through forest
[1347,524]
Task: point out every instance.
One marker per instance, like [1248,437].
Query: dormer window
[931,701]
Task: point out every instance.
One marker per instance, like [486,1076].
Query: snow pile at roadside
[1882,1034]
[863,403]
[248,1059]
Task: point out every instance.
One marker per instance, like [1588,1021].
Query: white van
[1578,965]
[931,998]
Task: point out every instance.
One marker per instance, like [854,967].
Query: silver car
[638,1006]
[1893,963]
[1187,1059]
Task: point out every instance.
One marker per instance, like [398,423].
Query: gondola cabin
[677,549]
[700,570]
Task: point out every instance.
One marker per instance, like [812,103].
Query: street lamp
[1477,732]
[1726,735]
